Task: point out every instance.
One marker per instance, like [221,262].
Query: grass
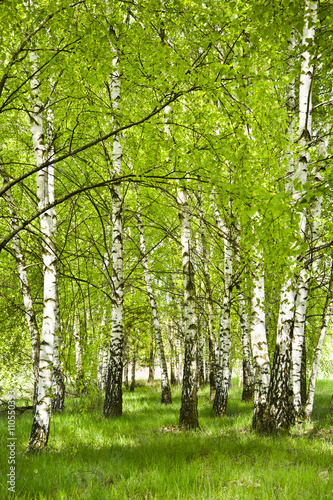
[140,456]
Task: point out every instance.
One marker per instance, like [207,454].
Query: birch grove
[183,157]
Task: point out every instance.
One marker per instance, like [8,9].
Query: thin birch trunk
[248,375]
[79,380]
[134,358]
[223,371]
[247,367]
[58,385]
[42,417]
[298,342]
[324,325]
[102,354]
[280,409]
[151,358]
[201,352]
[113,388]
[209,301]
[126,360]
[188,418]
[166,391]
[259,348]
[25,288]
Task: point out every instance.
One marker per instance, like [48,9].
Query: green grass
[132,457]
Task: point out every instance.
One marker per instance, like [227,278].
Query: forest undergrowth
[142,455]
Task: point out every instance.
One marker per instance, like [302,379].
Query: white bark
[313,377]
[25,286]
[209,301]
[113,386]
[41,424]
[78,355]
[248,375]
[58,388]
[223,370]
[280,411]
[189,403]
[303,289]
[166,392]
[259,345]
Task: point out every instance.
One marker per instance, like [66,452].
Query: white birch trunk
[151,358]
[298,343]
[113,386]
[313,377]
[247,371]
[58,385]
[80,385]
[25,288]
[209,302]
[280,410]
[42,417]
[223,370]
[134,358]
[166,392]
[259,347]
[188,418]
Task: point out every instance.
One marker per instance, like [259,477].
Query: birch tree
[113,385]
[188,418]
[279,413]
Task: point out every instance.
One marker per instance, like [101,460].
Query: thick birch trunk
[113,387]
[259,348]
[25,289]
[209,301]
[280,410]
[223,371]
[42,417]
[188,418]
[166,392]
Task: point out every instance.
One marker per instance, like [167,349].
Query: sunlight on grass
[142,455]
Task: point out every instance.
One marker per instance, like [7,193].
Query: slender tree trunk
[248,375]
[58,385]
[79,381]
[259,348]
[102,354]
[166,391]
[151,358]
[188,418]
[223,372]
[42,417]
[25,288]
[126,360]
[134,358]
[201,352]
[113,388]
[298,345]
[209,301]
[313,377]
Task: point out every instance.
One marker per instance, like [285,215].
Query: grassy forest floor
[142,455]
